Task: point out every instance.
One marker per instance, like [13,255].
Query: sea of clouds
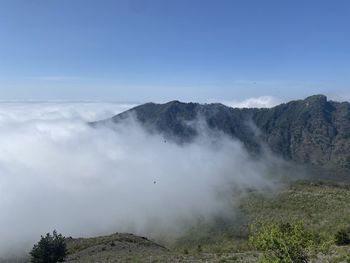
[58,172]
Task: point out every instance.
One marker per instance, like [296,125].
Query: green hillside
[323,207]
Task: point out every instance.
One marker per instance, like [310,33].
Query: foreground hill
[311,131]
[118,246]
[123,247]
[323,207]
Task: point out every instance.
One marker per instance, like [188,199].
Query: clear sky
[155,50]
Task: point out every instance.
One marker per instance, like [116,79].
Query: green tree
[342,237]
[282,243]
[50,249]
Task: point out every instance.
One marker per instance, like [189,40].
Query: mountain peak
[174,102]
[316,99]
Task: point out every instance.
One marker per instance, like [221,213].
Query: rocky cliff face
[310,131]
[313,130]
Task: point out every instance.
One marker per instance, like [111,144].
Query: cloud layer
[258,102]
[56,172]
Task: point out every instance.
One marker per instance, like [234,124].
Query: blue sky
[157,50]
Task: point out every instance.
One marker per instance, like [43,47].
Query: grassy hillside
[122,246]
[324,207]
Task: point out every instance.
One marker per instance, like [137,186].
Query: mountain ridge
[313,130]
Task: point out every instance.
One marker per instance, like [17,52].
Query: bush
[342,238]
[282,243]
[50,249]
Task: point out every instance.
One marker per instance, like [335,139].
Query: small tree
[281,243]
[50,249]
[342,237]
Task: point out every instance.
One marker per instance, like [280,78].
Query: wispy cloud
[339,96]
[255,102]
[57,78]
[272,82]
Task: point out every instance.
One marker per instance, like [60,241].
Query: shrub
[342,238]
[50,249]
[282,243]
